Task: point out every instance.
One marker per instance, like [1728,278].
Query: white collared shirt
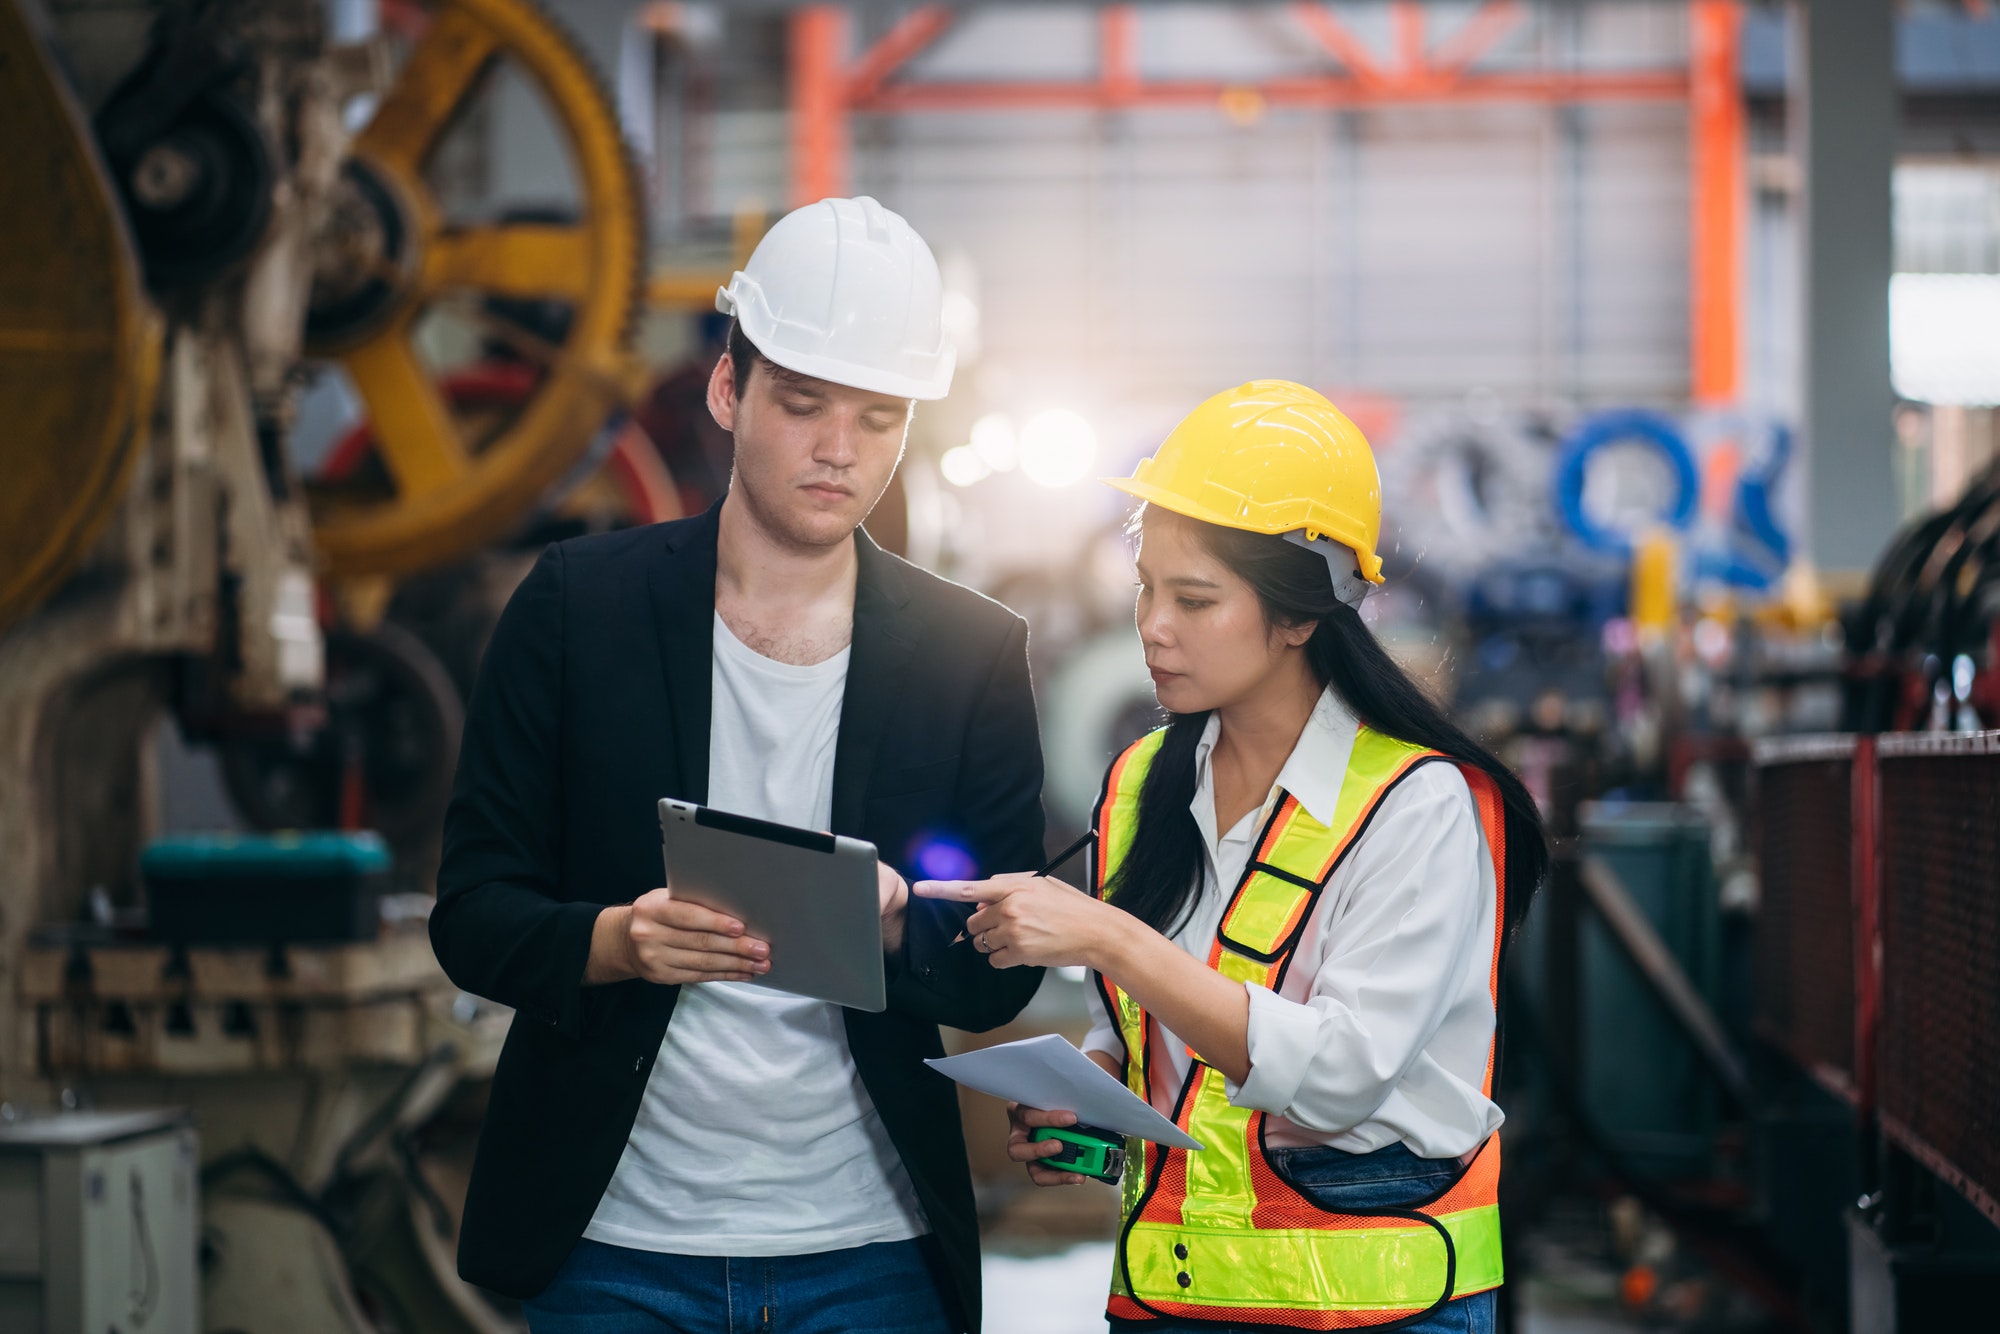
[1381,1028]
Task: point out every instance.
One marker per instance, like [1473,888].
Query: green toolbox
[315,885]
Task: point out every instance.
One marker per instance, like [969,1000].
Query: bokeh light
[1057,448]
[993,440]
[941,859]
[962,466]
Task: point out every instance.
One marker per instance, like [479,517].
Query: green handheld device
[1086,1150]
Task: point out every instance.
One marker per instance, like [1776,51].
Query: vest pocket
[1389,1178]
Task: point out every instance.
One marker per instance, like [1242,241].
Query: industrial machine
[224,204]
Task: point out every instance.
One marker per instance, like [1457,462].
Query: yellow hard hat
[1270,456]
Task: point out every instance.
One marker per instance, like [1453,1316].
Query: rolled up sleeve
[1401,936]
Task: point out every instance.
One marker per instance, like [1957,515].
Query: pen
[1089,837]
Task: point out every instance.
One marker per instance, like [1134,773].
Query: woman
[1302,885]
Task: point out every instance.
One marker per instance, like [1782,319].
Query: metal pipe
[1656,963]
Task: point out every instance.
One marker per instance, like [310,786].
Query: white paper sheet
[1049,1073]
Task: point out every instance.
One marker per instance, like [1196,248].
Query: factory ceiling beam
[897,47]
[1420,74]
[826,87]
[1489,24]
[1335,39]
[1040,95]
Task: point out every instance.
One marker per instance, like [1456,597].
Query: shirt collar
[1313,772]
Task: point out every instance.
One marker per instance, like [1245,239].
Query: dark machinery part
[365,258]
[190,163]
[1934,600]
[384,758]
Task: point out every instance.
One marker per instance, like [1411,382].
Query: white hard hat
[844,290]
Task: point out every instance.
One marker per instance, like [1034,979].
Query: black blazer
[591,705]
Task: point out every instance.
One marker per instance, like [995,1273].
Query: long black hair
[1158,879]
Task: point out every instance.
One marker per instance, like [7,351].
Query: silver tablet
[812,895]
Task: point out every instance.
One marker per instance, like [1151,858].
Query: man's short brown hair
[743,354]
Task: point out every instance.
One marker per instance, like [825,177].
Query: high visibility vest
[1218,1234]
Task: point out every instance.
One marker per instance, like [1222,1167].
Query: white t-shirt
[756,1136]
[1382,1027]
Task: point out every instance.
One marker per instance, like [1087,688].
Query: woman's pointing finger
[963,891]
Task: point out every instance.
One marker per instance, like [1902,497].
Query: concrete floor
[1059,1292]
[1062,1292]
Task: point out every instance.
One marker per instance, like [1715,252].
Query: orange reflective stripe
[1123,1307]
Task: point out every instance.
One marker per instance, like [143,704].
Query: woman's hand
[1032,921]
[1023,1121]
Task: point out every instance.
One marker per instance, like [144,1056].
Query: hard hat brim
[868,378]
[1168,500]
[1181,505]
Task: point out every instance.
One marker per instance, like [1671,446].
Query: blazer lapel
[885,638]
[681,586]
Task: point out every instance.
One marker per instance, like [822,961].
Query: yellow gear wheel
[79,346]
[449,485]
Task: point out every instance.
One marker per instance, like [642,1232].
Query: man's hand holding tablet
[895,899]
[661,939]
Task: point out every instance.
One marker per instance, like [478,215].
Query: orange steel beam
[1715,165]
[1118,53]
[1408,19]
[897,47]
[1070,95]
[824,90]
[818,40]
[1477,35]
[1338,42]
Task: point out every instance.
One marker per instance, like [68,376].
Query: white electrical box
[99,1224]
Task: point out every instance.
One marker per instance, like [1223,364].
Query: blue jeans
[1390,1178]
[612,1290]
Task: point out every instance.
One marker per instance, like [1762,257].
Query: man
[667,1147]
